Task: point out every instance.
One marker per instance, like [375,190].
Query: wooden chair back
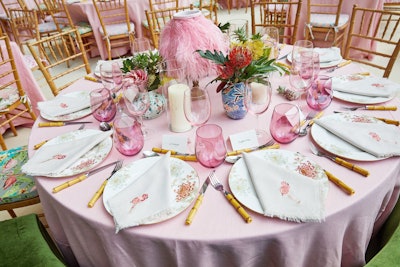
[116,27]
[162,4]
[62,63]
[13,103]
[157,20]
[209,8]
[12,4]
[265,13]
[386,33]
[24,23]
[326,23]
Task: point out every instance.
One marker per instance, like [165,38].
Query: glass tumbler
[210,146]
[102,105]
[285,123]
[128,137]
[320,93]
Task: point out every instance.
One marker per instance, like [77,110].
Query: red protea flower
[226,71]
[239,57]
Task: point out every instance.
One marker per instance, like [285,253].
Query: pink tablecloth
[28,82]
[219,236]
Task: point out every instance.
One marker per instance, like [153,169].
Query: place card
[175,142]
[242,140]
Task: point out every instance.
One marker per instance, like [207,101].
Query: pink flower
[285,187]
[137,76]
[10,181]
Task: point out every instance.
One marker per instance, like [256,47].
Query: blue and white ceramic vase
[157,105]
[233,97]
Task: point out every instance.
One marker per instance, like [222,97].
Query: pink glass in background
[320,93]
[128,137]
[197,105]
[210,146]
[316,64]
[102,105]
[285,122]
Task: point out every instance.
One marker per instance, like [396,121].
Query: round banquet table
[218,235]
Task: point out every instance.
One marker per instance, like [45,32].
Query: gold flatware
[341,64]
[80,178]
[388,121]
[93,79]
[233,159]
[339,183]
[219,187]
[339,161]
[60,123]
[247,150]
[199,200]
[303,131]
[188,157]
[165,151]
[99,192]
[39,145]
[372,108]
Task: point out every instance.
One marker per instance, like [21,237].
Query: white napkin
[286,194]
[64,104]
[328,54]
[365,85]
[53,159]
[379,139]
[145,198]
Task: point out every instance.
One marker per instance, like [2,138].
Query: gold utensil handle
[51,124]
[163,151]
[362,73]
[238,152]
[381,107]
[397,123]
[351,166]
[342,64]
[194,209]
[239,208]
[339,183]
[97,195]
[39,145]
[90,78]
[274,146]
[185,157]
[69,183]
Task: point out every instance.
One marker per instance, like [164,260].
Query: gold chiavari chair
[384,31]
[5,17]
[14,103]
[116,29]
[326,24]
[265,13]
[58,51]
[25,26]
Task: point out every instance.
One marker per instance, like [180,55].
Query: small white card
[175,142]
[244,140]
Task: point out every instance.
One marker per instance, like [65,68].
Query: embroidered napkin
[379,139]
[146,198]
[364,85]
[328,54]
[284,193]
[64,104]
[52,159]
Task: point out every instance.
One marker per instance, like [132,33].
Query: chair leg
[12,213]
[2,143]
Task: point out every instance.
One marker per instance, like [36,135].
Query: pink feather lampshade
[187,32]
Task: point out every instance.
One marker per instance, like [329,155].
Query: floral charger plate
[242,187]
[88,161]
[71,116]
[185,185]
[338,146]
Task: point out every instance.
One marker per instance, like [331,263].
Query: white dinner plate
[338,146]
[88,161]
[322,65]
[185,185]
[71,116]
[353,98]
[240,181]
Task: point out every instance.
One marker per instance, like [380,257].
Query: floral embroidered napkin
[64,104]
[379,139]
[284,193]
[145,198]
[364,85]
[328,54]
[52,159]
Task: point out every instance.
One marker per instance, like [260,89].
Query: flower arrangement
[247,60]
[144,67]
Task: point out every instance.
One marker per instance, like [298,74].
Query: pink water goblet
[128,137]
[285,123]
[320,93]
[210,146]
[102,105]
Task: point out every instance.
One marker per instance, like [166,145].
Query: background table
[218,235]
[28,82]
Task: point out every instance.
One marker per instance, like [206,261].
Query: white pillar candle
[177,119]
[258,92]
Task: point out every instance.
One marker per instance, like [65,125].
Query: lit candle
[259,92]
[177,119]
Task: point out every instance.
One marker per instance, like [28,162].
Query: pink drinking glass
[128,137]
[316,64]
[102,105]
[285,122]
[210,146]
[320,93]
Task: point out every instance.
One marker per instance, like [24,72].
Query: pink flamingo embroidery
[285,188]
[63,105]
[375,136]
[139,199]
[57,156]
[378,85]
